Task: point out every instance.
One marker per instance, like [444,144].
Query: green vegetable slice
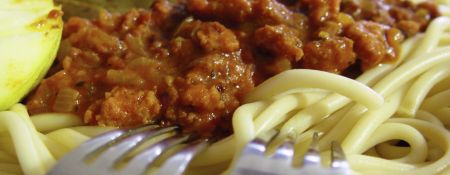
[30,34]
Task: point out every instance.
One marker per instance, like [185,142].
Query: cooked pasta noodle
[31,145]
[372,117]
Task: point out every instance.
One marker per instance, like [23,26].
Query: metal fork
[253,160]
[103,154]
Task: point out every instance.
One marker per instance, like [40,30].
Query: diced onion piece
[123,77]
[66,100]
[143,62]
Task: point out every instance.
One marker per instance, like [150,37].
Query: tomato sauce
[191,62]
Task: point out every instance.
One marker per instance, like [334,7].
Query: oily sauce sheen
[190,63]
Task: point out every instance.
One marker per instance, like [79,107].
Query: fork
[102,155]
[252,160]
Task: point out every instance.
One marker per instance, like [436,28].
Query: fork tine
[338,160]
[111,155]
[91,146]
[252,161]
[140,163]
[312,156]
[256,147]
[177,163]
[250,155]
[285,152]
[78,155]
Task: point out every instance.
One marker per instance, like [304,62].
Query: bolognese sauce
[191,62]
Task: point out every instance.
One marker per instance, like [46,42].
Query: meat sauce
[190,63]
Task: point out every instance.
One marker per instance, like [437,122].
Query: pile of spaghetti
[391,119]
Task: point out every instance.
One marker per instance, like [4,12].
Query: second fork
[253,160]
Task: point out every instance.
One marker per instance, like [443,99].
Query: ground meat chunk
[430,7]
[128,107]
[281,41]
[202,97]
[407,16]
[332,54]
[226,73]
[99,41]
[425,12]
[178,47]
[211,36]
[211,90]
[230,10]
[328,29]
[166,15]
[409,27]
[271,12]
[214,37]
[162,10]
[400,13]
[372,44]
[281,46]
[322,10]
[128,21]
